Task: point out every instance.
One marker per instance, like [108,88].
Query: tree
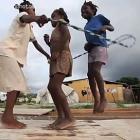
[129,80]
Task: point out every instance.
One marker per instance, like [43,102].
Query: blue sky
[123,15]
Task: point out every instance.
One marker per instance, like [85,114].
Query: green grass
[49,106]
[82,106]
[121,105]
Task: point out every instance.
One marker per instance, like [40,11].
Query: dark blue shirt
[94,25]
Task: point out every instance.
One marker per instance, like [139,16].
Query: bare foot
[20,123]
[64,124]
[96,106]
[56,122]
[12,123]
[103,105]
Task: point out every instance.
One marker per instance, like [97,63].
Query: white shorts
[98,54]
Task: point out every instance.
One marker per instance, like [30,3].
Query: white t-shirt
[15,43]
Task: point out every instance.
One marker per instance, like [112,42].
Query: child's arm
[47,39]
[40,49]
[38,19]
[108,27]
[106,24]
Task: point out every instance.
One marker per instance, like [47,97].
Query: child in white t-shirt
[13,53]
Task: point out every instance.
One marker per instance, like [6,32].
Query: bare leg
[61,99]
[100,82]
[20,123]
[8,119]
[92,83]
[57,104]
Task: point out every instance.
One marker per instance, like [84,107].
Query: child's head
[88,10]
[59,14]
[26,6]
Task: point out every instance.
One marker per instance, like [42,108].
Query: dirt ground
[108,114]
[113,124]
[120,129]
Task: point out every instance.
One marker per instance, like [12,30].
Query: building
[114,90]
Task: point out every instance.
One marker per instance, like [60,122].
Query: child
[97,52]
[13,53]
[60,67]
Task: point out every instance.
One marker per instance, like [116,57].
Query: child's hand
[41,20]
[46,39]
[88,47]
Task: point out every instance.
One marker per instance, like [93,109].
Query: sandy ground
[82,130]
[115,124]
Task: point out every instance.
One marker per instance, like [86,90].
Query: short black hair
[93,6]
[63,13]
[23,6]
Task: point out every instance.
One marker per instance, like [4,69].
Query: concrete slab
[23,111]
[82,130]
